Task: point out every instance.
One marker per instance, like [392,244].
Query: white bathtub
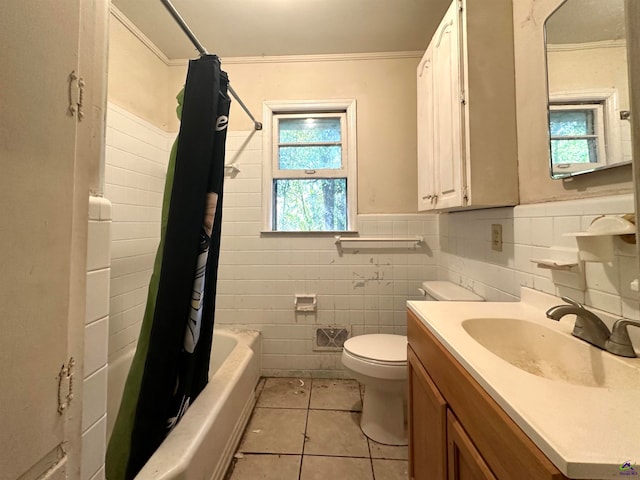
[201,446]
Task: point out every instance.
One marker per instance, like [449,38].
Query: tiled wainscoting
[304,429]
[535,231]
[94,406]
[136,158]
[363,289]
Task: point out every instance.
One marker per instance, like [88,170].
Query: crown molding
[337,57]
[118,15]
[569,47]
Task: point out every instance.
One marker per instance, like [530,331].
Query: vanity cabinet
[456,430]
[467,151]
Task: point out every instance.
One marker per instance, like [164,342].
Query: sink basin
[549,353]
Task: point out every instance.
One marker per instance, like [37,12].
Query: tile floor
[308,429]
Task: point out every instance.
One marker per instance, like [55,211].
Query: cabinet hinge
[460,5]
[76,94]
[65,385]
[465,195]
[463,99]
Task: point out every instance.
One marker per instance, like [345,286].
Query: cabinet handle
[427,197]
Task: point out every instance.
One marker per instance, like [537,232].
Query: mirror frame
[556,176]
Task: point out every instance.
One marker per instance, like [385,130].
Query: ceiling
[249,28]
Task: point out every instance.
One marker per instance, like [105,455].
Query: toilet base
[384,417]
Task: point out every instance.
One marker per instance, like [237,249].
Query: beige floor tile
[275,430]
[331,432]
[390,469]
[389,452]
[335,394]
[285,393]
[338,468]
[266,467]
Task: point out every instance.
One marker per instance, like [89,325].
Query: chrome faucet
[619,342]
[588,326]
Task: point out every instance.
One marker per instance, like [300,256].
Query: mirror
[588,87]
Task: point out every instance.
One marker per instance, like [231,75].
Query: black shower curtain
[171,364]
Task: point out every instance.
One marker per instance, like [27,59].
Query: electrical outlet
[496,237]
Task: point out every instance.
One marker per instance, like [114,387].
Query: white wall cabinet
[467,151]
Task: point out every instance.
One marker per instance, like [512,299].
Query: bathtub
[201,446]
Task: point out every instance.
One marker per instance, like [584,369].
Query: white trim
[612,134]
[121,17]
[569,47]
[333,57]
[349,138]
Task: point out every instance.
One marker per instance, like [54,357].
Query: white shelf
[554,264]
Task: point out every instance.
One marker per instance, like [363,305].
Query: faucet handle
[619,342]
[571,301]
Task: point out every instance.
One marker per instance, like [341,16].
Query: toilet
[379,362]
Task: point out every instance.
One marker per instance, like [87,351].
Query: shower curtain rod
[203,51]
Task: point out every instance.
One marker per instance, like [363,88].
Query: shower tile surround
[94,398]
[363,289]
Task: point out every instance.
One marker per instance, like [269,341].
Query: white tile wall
[94,405]
[136,160]
[365,289]
[529,231]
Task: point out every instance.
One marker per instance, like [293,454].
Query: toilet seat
[379,356]
[378,348]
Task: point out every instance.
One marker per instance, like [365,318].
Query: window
[577,136]
[585,130]
[309,174]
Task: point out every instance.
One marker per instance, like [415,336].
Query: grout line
[306,423]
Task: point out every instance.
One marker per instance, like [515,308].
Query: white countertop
[587,432]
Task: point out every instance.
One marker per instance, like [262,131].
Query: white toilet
[379,362]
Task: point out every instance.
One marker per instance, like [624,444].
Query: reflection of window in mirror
[584,131]
[587,67]
[577,137]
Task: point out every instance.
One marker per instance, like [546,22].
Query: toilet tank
[442,290]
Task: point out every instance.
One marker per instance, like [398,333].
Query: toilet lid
[380,347]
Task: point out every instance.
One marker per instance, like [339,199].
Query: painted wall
[137,77]
[384,88]
[531,104]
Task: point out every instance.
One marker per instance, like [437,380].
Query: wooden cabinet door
[426,159]
[427,424]
[464,461]
[39,191]
[447,109]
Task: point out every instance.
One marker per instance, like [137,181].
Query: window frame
[599,135]
[272,111]
[610,141]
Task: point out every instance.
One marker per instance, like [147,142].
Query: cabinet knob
[426,197]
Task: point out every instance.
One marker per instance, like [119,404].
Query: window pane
[309,158]
[572,122]
[574,151]
[309,130]
[310,205]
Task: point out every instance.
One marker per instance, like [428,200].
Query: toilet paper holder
[305,302]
